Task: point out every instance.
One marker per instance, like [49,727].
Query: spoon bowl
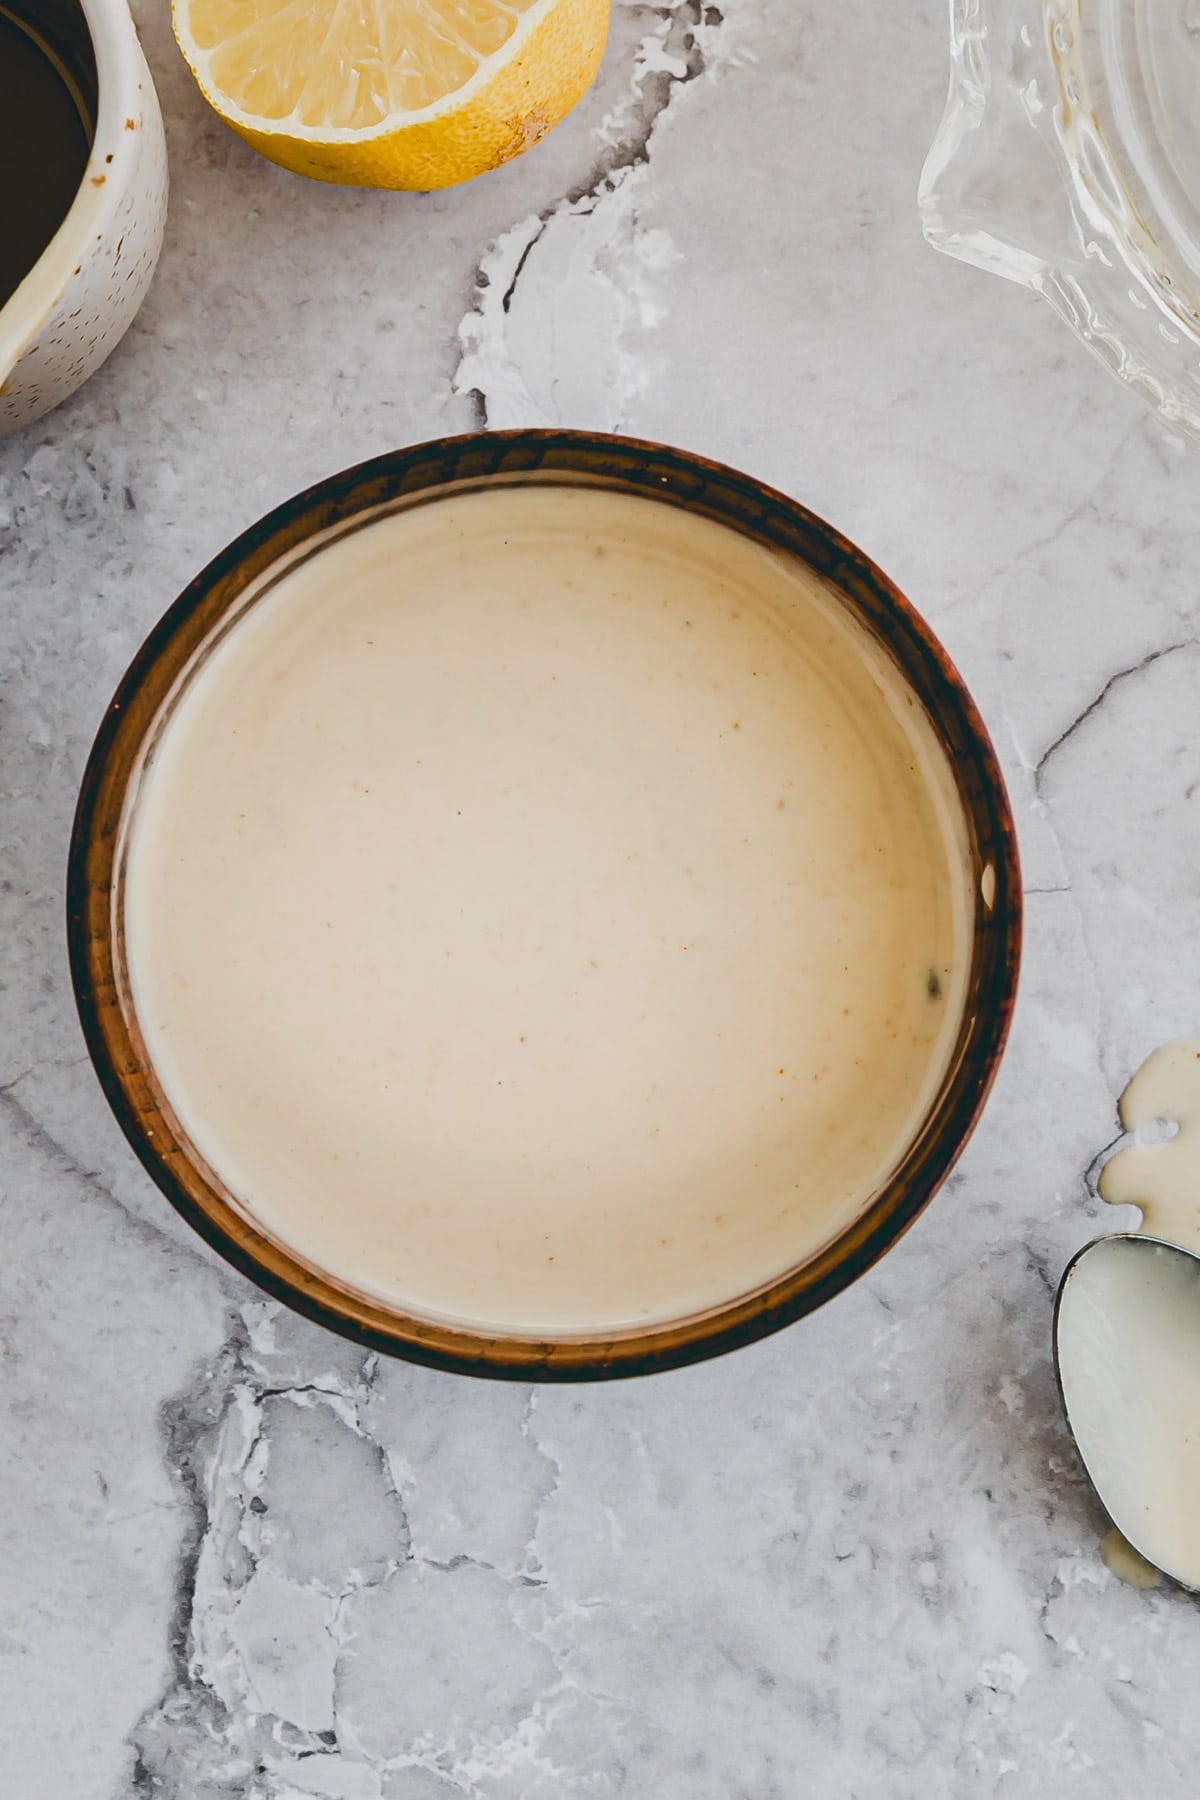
[1127,1358]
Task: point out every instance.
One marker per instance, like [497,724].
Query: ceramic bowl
[95,910]
[79,299]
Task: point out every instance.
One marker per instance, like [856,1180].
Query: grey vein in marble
[582,266]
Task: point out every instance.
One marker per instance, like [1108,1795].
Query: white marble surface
[241,1560]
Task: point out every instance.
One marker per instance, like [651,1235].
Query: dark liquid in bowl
[45,139]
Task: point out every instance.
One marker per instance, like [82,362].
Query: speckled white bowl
[80,297]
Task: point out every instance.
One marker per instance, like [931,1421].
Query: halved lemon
[392,93]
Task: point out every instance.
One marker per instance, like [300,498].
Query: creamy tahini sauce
[546,909]
[1123,1561]
[1164,1178]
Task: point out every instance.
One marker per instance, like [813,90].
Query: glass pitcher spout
[1061,163]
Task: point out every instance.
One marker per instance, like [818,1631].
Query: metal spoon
[1127,1358]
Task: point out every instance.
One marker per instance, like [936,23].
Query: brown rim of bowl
[575,458]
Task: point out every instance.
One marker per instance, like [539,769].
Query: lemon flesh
[392,93]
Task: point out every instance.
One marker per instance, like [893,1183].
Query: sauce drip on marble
[1162,1179]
